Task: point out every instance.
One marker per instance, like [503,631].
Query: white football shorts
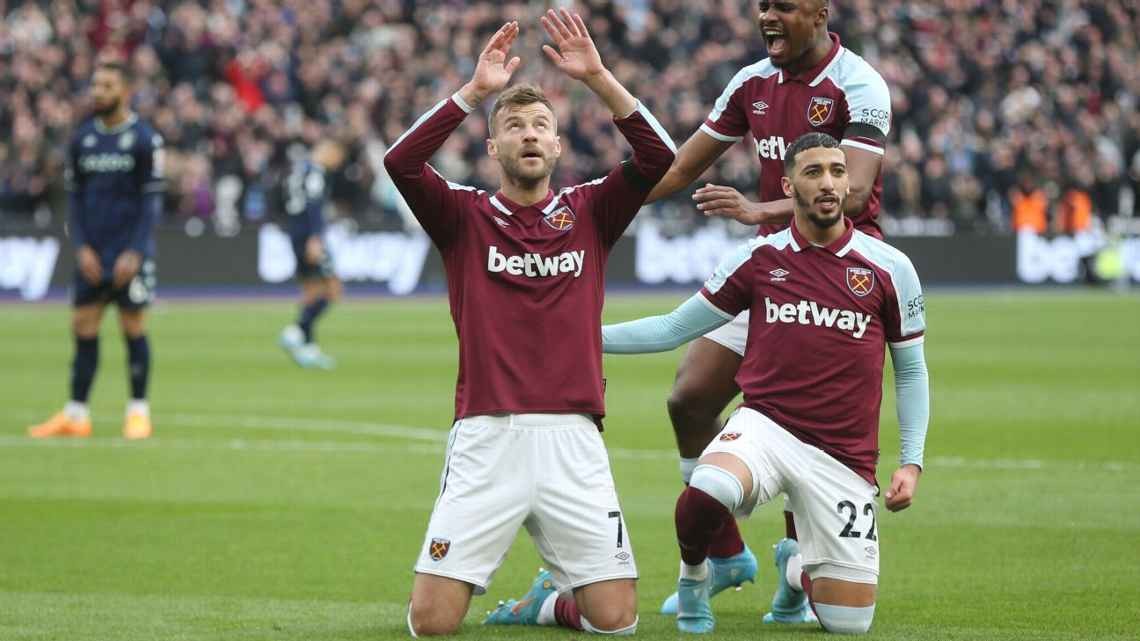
[733,334]
[547,472]
[834,507]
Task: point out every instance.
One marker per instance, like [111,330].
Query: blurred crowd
[1007,113]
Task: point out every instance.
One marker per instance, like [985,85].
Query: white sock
[136,406]
[793,572]
[76,411]
[694,572]
[546,612]
[687,467]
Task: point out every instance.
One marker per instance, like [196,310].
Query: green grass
[276,503]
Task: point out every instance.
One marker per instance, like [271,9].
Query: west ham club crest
[439,549]
[561,219]
[819,110]
[860,280]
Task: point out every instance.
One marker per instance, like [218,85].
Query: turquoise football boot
[523,611]
[694,615]
[788,605]
[730,572]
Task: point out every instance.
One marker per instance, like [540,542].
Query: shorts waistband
[526,421]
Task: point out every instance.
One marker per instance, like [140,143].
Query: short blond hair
[518,95]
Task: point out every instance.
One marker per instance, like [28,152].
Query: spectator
[1030,205]
[982,91]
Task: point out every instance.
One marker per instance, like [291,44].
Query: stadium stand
[990,97]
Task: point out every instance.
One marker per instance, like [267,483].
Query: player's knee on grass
[842,619]
[617,631]
[608,607]
[843,598]
[437,606]
[425,620]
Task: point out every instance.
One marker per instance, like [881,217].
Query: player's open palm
[493,71]
[574,51]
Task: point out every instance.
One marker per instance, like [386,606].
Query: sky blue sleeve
[694,317]
[912,398]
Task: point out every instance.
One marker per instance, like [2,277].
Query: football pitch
[279,503]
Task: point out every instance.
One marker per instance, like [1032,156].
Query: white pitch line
[422,435]
[254,445]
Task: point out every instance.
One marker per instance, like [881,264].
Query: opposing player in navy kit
[306,190]
[808,83]
[526,278]
[116,190]
[826,300]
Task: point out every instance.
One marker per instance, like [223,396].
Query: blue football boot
[524,611]
[788,605]
[726,573]
[694,615]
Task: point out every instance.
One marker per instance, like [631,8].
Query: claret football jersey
[820,318]
[526,282]
[842,96]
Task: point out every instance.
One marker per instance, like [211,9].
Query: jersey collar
[840,246]
[816,74]
[510,208]
[132,118]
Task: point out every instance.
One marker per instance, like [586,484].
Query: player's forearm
[144,227]
[653,149]
[407,157]
[695,317]
[471,95]
[674,180]
[773,212]
[617,97]
[912,397]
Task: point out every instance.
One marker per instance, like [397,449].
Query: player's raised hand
[574,51]
[726,202]
[904,482]
[493,71]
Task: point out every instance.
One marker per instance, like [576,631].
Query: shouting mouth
[776,41]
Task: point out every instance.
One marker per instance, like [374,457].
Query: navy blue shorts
[136,295]
[307,270]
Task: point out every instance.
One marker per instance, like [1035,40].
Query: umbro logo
[779,275]
[759,107]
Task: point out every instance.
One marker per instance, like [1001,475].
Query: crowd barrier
[33,266]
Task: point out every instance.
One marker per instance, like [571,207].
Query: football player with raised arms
[826,299]
[808,83]
[115,187]
[526,272]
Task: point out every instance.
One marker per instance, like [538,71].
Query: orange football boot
[61,425]
[137,426]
